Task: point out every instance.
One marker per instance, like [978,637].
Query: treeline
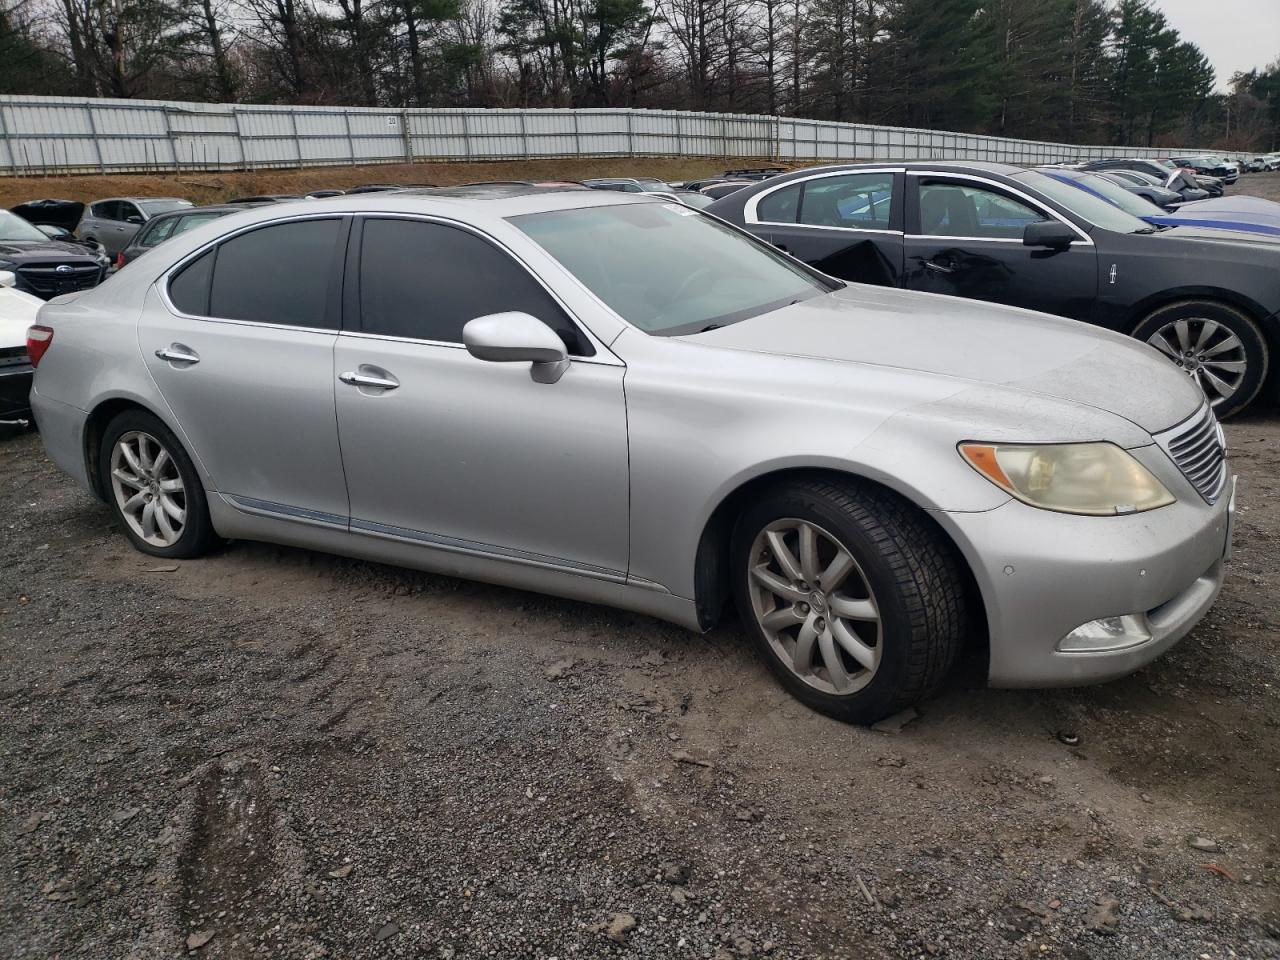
[1075,70]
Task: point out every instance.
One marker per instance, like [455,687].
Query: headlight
[1098,479]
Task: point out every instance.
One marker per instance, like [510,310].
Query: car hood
[985,344]
[1187,228]
[57,213]
[44,250]
[17,312]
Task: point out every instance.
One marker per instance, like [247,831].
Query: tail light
[119,259]
[39,339]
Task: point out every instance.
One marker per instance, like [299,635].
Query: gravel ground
[275,753]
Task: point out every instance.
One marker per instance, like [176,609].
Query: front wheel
[1219,347]
[855,600]
[153,488]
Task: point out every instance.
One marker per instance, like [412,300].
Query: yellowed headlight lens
[1098,479]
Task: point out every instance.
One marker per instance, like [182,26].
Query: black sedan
[1018,237]
[42,266]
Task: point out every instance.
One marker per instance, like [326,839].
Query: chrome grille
[1198,447]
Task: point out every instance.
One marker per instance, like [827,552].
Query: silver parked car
[623,400]
[112,223]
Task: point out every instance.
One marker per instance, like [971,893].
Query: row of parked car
[618,398]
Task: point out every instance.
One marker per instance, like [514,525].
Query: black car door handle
[938,267]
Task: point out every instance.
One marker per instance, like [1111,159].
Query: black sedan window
[959,210]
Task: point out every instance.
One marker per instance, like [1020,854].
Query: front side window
[711,274]
[427,280]
[128,210]
[959,210]
[277,274]
[157,232]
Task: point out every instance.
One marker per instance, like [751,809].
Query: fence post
[466,134]
[351,143]
[173,144]
[8,142]
[524,137]
[404,134]
[577,135]
[93,129]
[297,140]
[631,135]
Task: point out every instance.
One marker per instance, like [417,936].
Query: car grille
[45,280]
[1198,447]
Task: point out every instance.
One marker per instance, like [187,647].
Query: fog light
[1106,634]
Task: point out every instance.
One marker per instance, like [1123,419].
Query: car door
[964,238]
[461,454]
[848,225]
[240,340]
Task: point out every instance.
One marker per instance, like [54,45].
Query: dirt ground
[276,753]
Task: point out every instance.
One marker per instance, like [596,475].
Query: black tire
[913,573]
[1253,350]
[197,536]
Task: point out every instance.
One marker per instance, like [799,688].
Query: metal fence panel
[71,134]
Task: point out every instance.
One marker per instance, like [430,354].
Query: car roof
[211,208]
[140,199]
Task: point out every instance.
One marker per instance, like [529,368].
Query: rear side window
[277,274]
[427,280]
[189,288]
[781,206]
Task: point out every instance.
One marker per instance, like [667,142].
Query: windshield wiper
[711,326]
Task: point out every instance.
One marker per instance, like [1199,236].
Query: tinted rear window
[277,274]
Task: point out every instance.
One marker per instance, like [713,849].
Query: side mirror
[134,219]
[514,337]
[8,278]
[1053,234]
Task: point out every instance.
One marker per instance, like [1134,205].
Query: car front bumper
[1043,575]
[15,391]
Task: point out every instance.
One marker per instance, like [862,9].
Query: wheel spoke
[809,553]
[165,528]
[782,553]
[781,618]
[131,458]
[128,479]
[802,659]
[831,660]
[776,585]
[149,519]
[1225,390]
[852,609]
[171,486]
[1182,329]
[836,571]
[852,643]
[1231,366]
[1161,343]
[161,460]
[144,451]
[1207,329]
[1232,342]
[172,509]
[134,503]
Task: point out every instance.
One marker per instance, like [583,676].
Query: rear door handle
[938,267]
[355,379]
[178,353]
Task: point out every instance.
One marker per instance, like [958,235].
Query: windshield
[1087,206]
[13,227]
[152,207]
[712,274]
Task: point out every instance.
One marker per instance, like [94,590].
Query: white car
[17,313]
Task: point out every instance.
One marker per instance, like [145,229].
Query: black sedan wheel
[1216,345]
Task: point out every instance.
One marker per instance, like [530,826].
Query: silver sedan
[623,400]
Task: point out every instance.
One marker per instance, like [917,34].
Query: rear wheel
[855,600]
[1219,347]
[153,488]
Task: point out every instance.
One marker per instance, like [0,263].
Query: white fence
[42,135]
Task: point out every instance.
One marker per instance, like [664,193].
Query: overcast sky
[1234,34]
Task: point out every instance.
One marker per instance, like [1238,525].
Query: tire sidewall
[873,700]
[1251,336]
[196,532]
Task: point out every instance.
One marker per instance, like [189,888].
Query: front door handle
[368,380]
[178,353]
[938,267]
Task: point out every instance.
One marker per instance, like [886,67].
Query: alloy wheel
[815,606]
[1208,352]
[148,488]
